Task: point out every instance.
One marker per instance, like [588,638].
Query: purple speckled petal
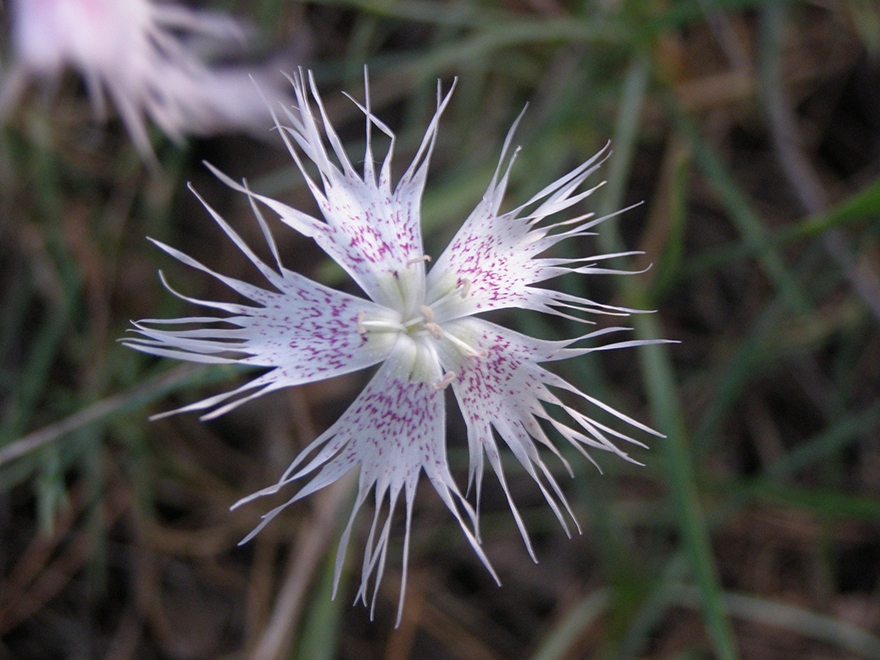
[393,431]
[370,229]
[304,331]
[506,391]
[497,255]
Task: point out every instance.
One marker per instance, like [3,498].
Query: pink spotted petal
[505,391]
[394,431]
[303,331]
[494,259]
[371,229]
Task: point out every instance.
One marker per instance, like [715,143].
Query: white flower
[148,56]
[420,326]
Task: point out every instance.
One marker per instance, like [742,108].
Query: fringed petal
[504,391]
[152,60]
[393,431]
[494,259]
[370,229]
[303,331]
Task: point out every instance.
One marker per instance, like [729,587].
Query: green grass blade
[795,619]
[178,378]
[737,206]
[660,382]
[859,207]
[557,644]
[322,621]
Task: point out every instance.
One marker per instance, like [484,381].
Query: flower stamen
[462,289]
[446,381]
[435,330]
[416,260]
[360,323]
[427,313]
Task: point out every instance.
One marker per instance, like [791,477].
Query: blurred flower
[421,326]
[150,57]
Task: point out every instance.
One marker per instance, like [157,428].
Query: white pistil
[446,381]
[470,351]
[363,327]
[416,260]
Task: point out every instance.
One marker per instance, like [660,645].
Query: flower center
[422,324]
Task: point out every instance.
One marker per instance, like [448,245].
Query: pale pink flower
[420,326]
[149,56]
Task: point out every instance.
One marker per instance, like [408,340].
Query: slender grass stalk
[660,382]
[859,207]
[178,378]
[557,644]
[737,206]
[795,619]
[322,622]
